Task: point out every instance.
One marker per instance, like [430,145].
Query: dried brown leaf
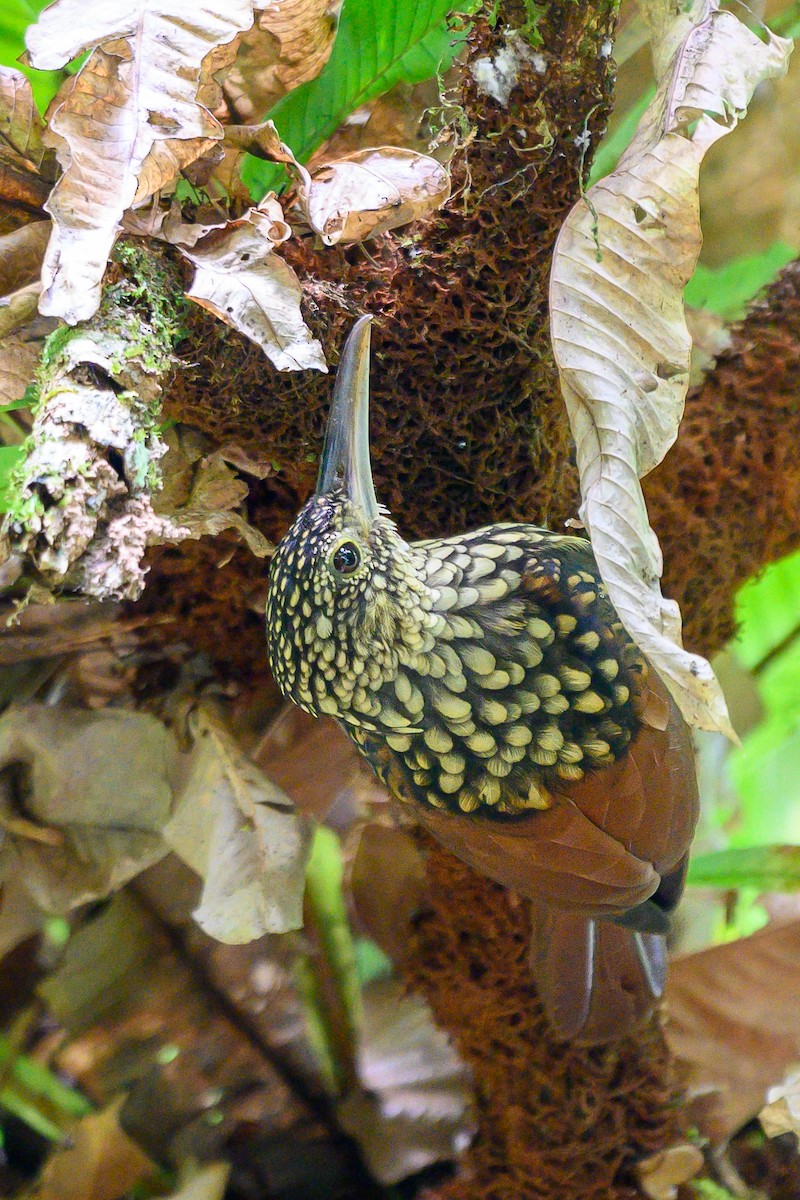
[19,916]
[238,831]
[373,191]
[289,44]
[315,764]
[86,795]
[19,357]
[734,1024]
[241,281]
[21,254]
[100,1163]
[21,127]
[389,856]
[416,1106]
[204,1183]
[781,1114]
[165,163]
[19,308]
[217,494]
[619,333]
[138,88]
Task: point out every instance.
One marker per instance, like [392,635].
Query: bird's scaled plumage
[488,676]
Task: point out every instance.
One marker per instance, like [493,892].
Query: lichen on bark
[80,512]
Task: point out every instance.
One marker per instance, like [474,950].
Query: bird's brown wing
[605,842]
[607,845]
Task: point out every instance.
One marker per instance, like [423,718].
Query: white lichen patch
[80,513]
[497,75]
[113,565]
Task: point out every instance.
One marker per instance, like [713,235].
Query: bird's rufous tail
[597,979]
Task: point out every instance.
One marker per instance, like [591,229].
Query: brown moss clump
[726,500]
[554,1120]
[468,424]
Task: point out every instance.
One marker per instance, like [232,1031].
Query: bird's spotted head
[344,591]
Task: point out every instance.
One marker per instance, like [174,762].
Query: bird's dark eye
[347,558]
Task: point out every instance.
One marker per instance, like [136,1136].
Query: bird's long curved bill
[345,457]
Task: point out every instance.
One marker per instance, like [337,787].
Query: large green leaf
[768,868]
[379,43]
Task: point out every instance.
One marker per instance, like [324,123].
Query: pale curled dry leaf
[371,192]
[619,333]
[415,1105]
[661,1174]
[781,1113]
[138,88]
[241,281]
[203,1183]
[98,790]
[241,834]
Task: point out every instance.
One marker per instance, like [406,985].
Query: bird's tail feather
[597,979]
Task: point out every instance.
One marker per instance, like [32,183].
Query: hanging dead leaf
[241,281]
[416,1106]
[19,916]
[373,191]
[139,87]
[85,797]
[385,913]
[100,1163]
[237,830]
[619,334]
[263,141]
[781,1113]
[315,764]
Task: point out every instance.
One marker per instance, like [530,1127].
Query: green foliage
[768,611]
[761,825]
[10,456]
[379,43]
[326,919]
[706,1189]
[728,290]
[611,147]
[767,868]
[36,1096]
[766,769]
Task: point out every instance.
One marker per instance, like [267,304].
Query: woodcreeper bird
[489,682]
